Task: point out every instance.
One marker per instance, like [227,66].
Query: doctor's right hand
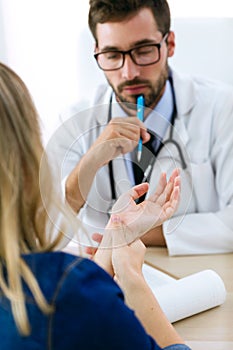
[120,136]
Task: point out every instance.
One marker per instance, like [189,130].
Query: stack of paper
[186,296]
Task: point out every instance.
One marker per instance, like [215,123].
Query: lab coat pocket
[204,188]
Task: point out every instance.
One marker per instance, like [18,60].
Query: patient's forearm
[140,298]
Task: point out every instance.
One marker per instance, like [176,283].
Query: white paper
[154,277]
[187,296]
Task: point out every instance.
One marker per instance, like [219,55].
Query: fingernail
[115,218]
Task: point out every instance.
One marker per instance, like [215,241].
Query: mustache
[132,82]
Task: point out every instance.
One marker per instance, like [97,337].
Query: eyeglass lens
[143,55]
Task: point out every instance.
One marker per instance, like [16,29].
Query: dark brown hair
[102,11]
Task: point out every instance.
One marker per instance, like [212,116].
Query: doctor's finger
[122,124]
[131,128]
[126,145]
[145,136]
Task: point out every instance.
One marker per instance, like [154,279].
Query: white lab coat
[203,127]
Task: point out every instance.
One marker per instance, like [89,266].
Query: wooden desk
[212,329]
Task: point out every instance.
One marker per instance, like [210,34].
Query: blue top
[90,312]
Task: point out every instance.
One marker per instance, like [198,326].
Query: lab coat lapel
[184,92]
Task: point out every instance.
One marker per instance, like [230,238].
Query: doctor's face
[132,80]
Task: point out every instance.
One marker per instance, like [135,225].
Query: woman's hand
[115,254]
[159,207]
[130,221]
[127,259]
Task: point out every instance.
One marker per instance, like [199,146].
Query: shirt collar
[161,116]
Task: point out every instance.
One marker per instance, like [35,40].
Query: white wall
[49,45]
[3,57]
[204,46]
[41,44]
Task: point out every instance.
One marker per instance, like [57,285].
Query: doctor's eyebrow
[134,45]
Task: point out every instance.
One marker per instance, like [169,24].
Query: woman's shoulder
[58,272]
[60,262]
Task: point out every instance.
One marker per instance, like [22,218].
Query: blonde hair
[23,217]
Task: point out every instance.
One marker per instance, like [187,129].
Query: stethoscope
[149,168]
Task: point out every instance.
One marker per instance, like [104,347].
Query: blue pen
[140,115]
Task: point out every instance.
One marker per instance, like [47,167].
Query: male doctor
[190,118]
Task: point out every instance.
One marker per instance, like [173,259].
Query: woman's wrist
[130,279]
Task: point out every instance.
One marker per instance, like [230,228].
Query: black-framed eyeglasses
[143,55]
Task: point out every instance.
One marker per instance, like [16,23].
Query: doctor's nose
[130,70]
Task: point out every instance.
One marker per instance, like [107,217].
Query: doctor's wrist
[154,237]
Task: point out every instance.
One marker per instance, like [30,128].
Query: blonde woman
[53,300]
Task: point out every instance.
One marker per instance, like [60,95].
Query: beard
[151,98]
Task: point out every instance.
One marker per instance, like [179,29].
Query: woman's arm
[127,265]
[121,253]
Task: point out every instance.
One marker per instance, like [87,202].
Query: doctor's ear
[95,48]
[171,43]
